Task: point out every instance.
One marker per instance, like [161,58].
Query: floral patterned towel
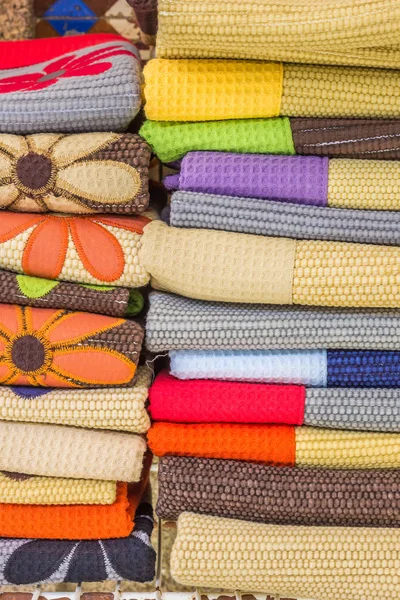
[79,173]
[57,348]
[71,84]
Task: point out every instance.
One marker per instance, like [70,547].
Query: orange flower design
[45,347]
[46,249]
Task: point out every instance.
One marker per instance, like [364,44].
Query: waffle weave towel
[47,293]
[58,451]
[27,561]
[278,445]
[318,181]
[58,348]
[81,173]
[208,401]
[353,32]
[72,84]
[283,495]
[18,488]
[176,323]
[215,90]
[345,138]
[296,561]
[298,221]
[121,409]
[98,249]
[236,267]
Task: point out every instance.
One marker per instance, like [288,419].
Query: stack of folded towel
[278,421]
[74,194]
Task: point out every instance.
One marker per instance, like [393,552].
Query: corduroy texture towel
[297,561]
[98,249]
[176,323]
[215,90]
[58,348]
[76,522]
[314,180]
[236,267]
[365,32]
[282,495]
[18,488]
[72,84]
[298,221]
[278,445]
[133,558]
[342,138]
[207,401]
[111,408]
[47,293]
[58,451]
[81,173]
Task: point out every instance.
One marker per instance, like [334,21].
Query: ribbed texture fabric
[278,445]
[234,267]
[58,451]
[209,90]
[176,323]
[284,495]
[349,33]
[17,488]
[296,561]
[298,221]
[111,408]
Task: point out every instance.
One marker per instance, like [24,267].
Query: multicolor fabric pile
[277,422]
[74,464]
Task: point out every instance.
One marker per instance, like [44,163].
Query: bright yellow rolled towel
[325,563]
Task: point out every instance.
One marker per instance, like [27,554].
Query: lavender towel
[302,179]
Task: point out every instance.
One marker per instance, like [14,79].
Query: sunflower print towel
[57,348]
[81,173]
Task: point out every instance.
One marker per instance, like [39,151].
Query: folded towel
[122,409]
[58,451]
[298,221]
[314,180]
[18,488]
[215,90]
[352,563]
[236,267]
[347,33]
[146,15]
[133,558]
[346,138]
[85,249]
[312,368]
[57,348]
[176,323]
[208,401]
[284,495]
[73,83]
[48,293]
[81,173]
[278,445]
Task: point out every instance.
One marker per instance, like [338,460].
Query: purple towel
[300,179]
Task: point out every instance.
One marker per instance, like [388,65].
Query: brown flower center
[28,353]
[34,171]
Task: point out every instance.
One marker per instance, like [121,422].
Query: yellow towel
[208,90]
[348,32]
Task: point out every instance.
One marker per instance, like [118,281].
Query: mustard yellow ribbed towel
[16,488]
[236,267]
[328,563]
[209,90]
[348,32]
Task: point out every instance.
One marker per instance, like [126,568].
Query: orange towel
[75,522]
[271,444]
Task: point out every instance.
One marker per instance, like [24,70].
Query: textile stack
[74,193]
[278,294]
